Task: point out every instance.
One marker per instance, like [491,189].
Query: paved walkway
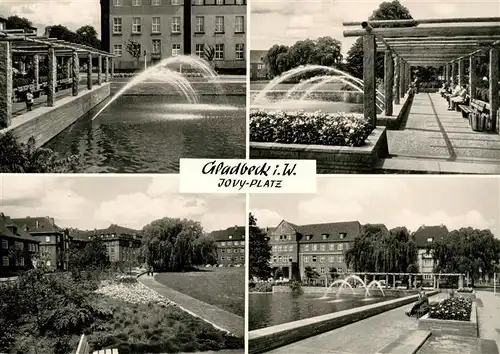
[216,316]
[362,337]
[432,132]
[488,310]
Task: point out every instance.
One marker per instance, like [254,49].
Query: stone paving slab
[447,344]
[489,316]
[408,343]
[425,165]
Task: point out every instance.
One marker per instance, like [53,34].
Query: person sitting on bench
[420,305]
[459,98]
[443,89]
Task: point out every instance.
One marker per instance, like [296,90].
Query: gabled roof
[80,235]
[237,233]
[10,229]
[115,229]
[425,232]
[352,229]
[256,56]
[38,224]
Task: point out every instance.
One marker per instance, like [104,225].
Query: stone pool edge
[265,339]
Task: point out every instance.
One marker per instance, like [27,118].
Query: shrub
[318,128]
[453,308]
[465,290]
[296,287]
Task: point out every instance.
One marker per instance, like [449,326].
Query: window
[342,235]
[340,247]
[199,2]
[306,247]
[47,238]
[323,247]
[239,24]
[341,259]
[155,25]
[5,261]
[331,247]
[222,243]
[117,2]
[176,25]
[136,2]
[229,243]
[242,250]
[176,2]
[315,247]
[322,259]
[240,2]
[222,250]
[290,248]
[240,55]
[117,25]
[235,250]
[156,2]
[308,237]
[219,24]
[331,259]
[274,259]
[229,250]
[5,244]
[325,236]
[236,243]
[219,2]
[200,24]
[430,239]
[219,52]
[242,258]
[280,258]
[19,246]
[230,237]
[221,258]
[136,25]
[156,46]
[306,259]
[322,270]
[314,258]
[48,263]
[280,248]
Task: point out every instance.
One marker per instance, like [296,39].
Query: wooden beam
[415,22]
[89,71]
[369,79]
[425,31]
[388,82]
[402,79]
[442,39]
[52,78]
[75,72]
[397,89]
[461,72]
[472,76]
[5,85]
[493,90]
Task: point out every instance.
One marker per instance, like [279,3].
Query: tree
[260,251]
[209,53]
[134,49]
[272,56]
[333,273]
[93,257]
[62,33]
[388,10]
[278,273]
[87,35]
[205,250]
[16,22]
[310,274]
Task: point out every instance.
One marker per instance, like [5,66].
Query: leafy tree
[16,157]
[388,10]
[334,273]
[134,49]
[205,250]
[278,273]
[310,274]
[93,256]
[271,59]
[62,33]
[16,22]
[87,35]
[260,251]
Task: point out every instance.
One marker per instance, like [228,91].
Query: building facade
[54,241]
[230,245]
[158,29]
[258,67]
[424,237]
[18,249]
[319,246]
[123,244]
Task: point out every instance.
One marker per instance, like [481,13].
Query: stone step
[408,343]
[436,166]
[489,346]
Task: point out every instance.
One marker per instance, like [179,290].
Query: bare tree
[134,49]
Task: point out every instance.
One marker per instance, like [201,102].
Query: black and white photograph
[120,86]
[117,265]
[381,87]
[398,264]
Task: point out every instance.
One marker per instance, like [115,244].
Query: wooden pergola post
[493,87]
[89,71]
[5,84]
[75,68]
[388,81]
[448,70]
[453,70]
[68,67]
[52,78]
[402,78]
[106,69]
[99,69]
[472,76]
[112,68]
[369,79]
[397,89]
[461,72]
[36,61]
[408,76]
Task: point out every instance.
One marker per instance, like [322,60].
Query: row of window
[239,24]
[230,250]
[322,259]
[32,247]
[229,243]
[177,2]
[323,270]
[313,247]
[232,258]
[6,261]
[199,51]
[342,235]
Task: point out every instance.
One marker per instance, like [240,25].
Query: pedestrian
[421,305]
[29,100]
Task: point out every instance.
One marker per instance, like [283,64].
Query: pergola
[445,43]
[18,42]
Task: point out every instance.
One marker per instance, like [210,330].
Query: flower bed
[455,308]
[318,128]
[465,290]
[133,293]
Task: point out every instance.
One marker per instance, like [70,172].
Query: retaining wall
[457,328]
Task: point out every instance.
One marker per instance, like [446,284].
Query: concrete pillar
[5,84]
[388,82]
[36,62]
[369,79]
[402,78]
[68,67]
[407,77]
[449,75]
[460,281]
[397,87]
[472,76]
[394,280]
[387,280]
[89,71]
[112,68]
[99,69]
[75,72]
[52,78]
[461,72]
[433,281]
[409,282]
[453,71]
[106,69]
[494,88]
[365,278]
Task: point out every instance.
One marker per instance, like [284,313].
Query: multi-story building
[230,245]
[319,246]
[18,248]
[54,241]
[164,28]
[258,67]
[122,243]
[424,237]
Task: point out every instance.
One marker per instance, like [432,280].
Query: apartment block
[122,243]
[230,245]
[424,237]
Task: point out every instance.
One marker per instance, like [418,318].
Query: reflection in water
[272,309]
[149,134]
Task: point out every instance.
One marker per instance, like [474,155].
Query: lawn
[221,287]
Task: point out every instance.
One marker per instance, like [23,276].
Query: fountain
[345,282]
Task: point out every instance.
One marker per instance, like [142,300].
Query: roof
[38,224]
[80,235]
[257,55]
[114,229]
[6,224]
[424,232]
[237,233]
[352,229]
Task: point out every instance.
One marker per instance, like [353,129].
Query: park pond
[270,309]
[149,134]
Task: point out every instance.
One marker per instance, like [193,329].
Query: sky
[394,201]
[130,201]
[70,13]
[287,21]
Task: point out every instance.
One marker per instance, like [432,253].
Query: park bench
[465,107]
[84,348]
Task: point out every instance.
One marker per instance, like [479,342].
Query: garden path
[362,337]
[488,311]
[219,318]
